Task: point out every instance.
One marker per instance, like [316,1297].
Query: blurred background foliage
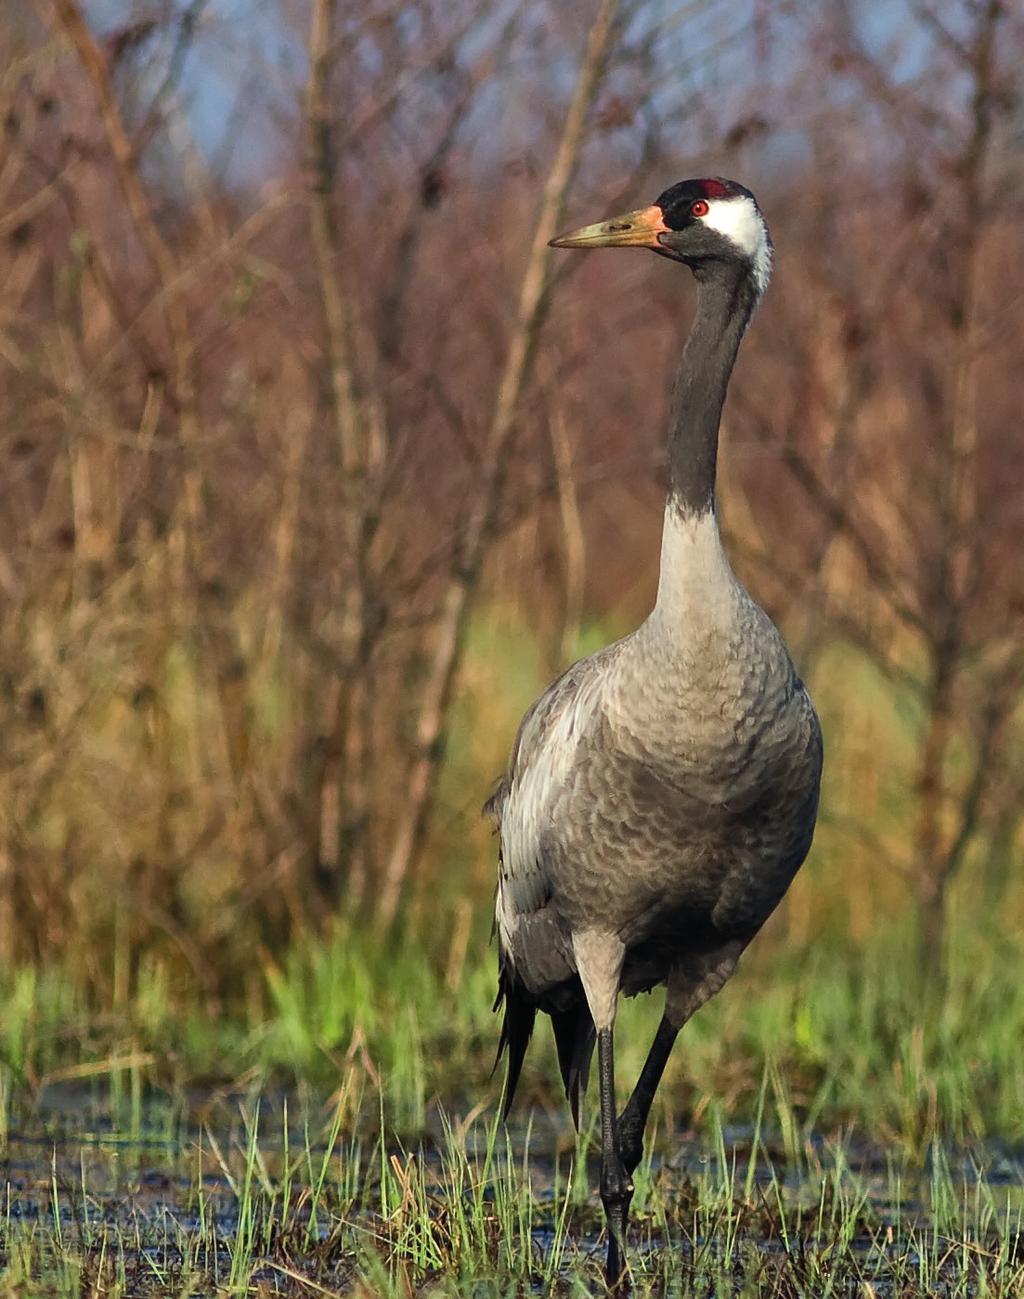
[317,467]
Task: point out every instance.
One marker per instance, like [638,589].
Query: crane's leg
[633,1119]
[599,958]
[616,1184]
[690,985]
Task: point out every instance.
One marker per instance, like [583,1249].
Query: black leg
[616,1185]
[633,1119]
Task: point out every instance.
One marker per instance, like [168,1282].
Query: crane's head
[697,222]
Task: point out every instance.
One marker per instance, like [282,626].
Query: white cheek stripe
[741,223]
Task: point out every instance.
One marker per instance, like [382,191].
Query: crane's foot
[616,1196]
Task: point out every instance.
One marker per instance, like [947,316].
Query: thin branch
[155,248]
[533,300]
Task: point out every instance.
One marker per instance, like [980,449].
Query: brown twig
[450,634]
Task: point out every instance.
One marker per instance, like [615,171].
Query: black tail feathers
[516,1030]
[574,1039]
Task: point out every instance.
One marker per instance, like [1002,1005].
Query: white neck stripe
[742,224]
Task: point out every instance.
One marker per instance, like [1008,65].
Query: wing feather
[541,761]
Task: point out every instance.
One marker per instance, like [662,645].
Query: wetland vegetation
[825,1129]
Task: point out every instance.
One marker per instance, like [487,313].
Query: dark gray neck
[726,298]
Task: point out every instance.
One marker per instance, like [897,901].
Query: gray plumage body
[663,790]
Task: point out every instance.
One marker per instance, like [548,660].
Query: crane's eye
[698,208]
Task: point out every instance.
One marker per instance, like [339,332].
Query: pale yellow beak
[639,229]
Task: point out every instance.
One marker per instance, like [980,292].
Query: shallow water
[156,1193]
